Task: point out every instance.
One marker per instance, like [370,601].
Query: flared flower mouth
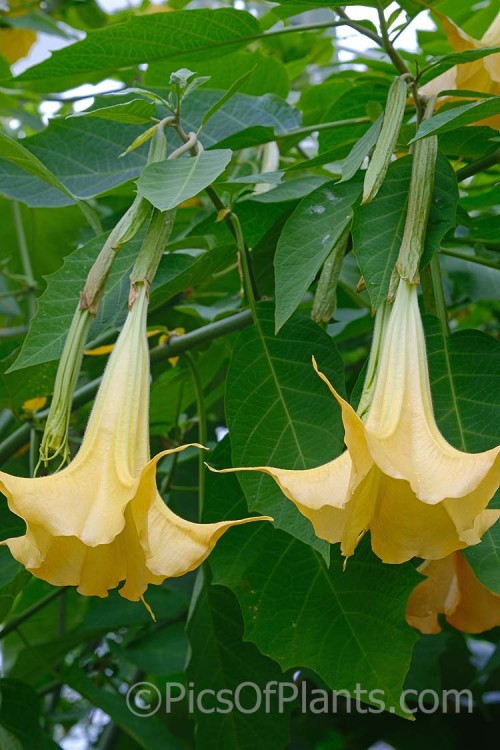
[100,520]
[399,478]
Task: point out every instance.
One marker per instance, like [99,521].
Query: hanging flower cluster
[101,521]
[398,478]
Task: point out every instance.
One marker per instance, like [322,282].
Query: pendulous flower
[398,478]
[451,589]
[101,521]
[481,75]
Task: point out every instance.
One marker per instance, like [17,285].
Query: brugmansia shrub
[274,270]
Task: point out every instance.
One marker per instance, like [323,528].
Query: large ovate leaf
[185,270]
[280,413]
[378,226]
[168,183]
[484,559]
[268,75]
[348,626]
[82,153]
[465,382]
[457,117]
[242,121]
[57,304]
[142,39]
[134,112]
[19,160]
[221,660]
[306,241]
[13,578]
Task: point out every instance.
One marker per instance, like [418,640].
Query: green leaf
[306,241]
[168,183]
[56,306]
[360,99]
[231,91]
[162,652]
[268,75]
[378,226]
[15,152]
[360,150]
[295,422]
[221,660]
[82,153]
[460,58]
[348,626]
[484,559]
[149,731]
[185,270]
[133,112]
[20,717]
[242,121]
[8,741]
[457,117]
[142,39]
[465,383]
[22,160]
[13,578]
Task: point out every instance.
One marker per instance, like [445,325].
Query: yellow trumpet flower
[451,589]
[398,478]
[479,75]
[101,521]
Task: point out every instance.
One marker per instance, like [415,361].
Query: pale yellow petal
[491,38]
[479,608]
[88,504]
[66,561]
[172,545]
[404,527]
[401,432]
[176,546]
[457,37]
[354,434]
[451,589]
[443,82]
[437,594]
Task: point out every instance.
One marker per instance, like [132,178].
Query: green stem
[20,619]
[490,160]
[234,226]
[25,257]
[318,126]
[398,61]
[175,345]
[472,258]
[202,427]
[346,21]
[394,55]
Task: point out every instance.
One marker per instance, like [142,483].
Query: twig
[25,257]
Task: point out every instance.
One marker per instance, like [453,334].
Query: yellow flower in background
[451,589]
[101,521]
[398,478]
[480,75]
[15,42]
